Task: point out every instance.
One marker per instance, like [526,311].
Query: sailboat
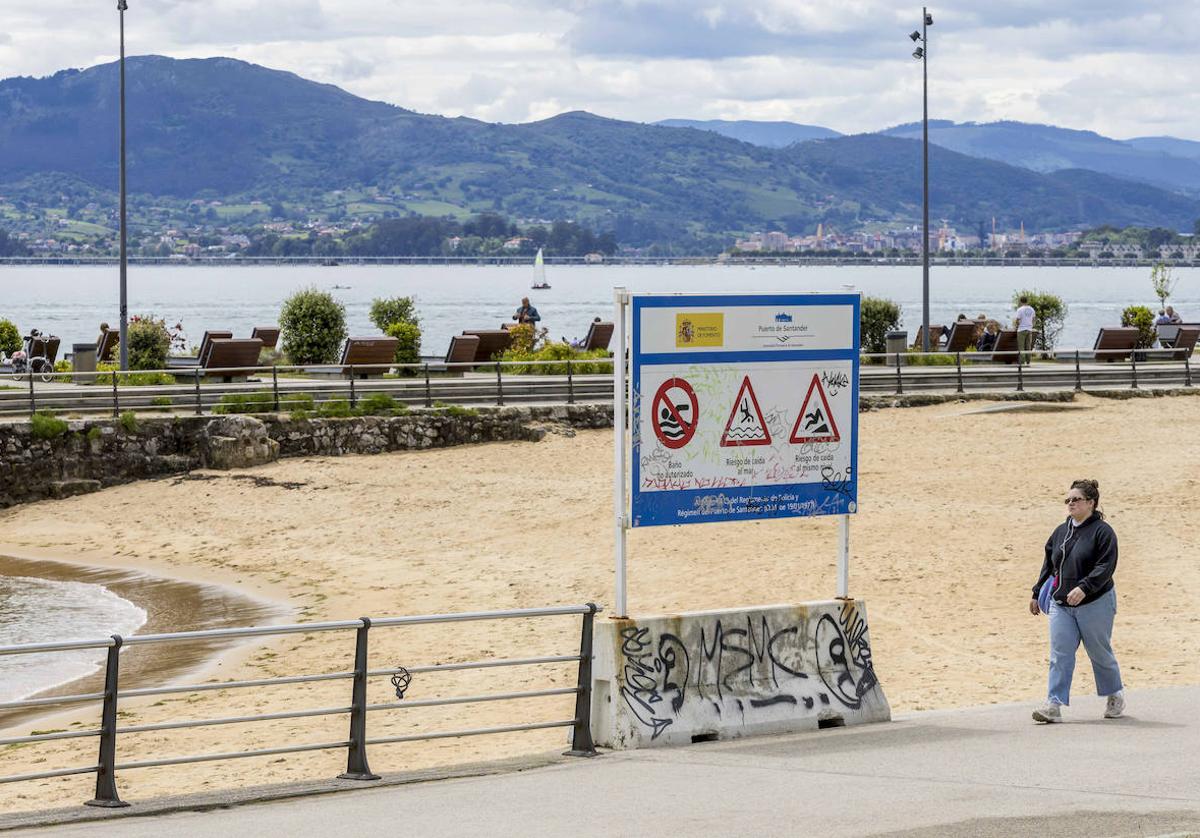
[539,273]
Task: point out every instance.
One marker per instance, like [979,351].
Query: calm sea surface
[43,611]
[71,301]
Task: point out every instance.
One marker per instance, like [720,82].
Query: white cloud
[1116,67]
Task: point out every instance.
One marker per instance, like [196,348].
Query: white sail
[539,271]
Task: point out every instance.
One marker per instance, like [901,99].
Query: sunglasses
[1069,501]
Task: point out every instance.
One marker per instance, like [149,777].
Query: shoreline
[171,604]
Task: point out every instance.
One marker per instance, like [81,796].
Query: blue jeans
[1092,623]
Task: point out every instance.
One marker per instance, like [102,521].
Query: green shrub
[1142,319]
[408,351]
[10,337]
[94,434]
[263,401]
[161,401]
[45,425]
[313,326]
[1049,313]
[380,404]
[62,366]
[877,317]
[334,409]
[149,342]
[582,363]
[386,313]
[129,421]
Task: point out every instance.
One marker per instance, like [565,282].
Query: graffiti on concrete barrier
[844,656]
[745,664]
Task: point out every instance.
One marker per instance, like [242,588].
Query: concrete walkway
[981,772]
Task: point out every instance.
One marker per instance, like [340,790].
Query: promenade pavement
[980,772]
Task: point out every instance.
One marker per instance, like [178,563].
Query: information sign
[752,407]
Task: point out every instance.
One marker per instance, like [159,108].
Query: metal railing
[894,372]
[295,388]
[357,740]
[271,389]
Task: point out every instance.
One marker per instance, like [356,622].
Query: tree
[313,326]
[1162,282]
[10,246]
[1049,313]
[387,312]
[1142,319]
[877,317]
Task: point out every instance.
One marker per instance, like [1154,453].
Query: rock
[237,442]
[68,488]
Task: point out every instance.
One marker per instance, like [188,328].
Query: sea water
[71,301]
[45,611]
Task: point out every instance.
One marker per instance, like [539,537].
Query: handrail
[357,768]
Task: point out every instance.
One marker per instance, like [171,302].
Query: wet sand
[955,508]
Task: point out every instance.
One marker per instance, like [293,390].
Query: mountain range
[224,129]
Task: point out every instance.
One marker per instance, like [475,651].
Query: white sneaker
[1115,708]
[1048,713]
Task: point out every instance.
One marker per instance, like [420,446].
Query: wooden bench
[1005,350]
[228,359]
[1115,343]
[269,335]
[375,354]
[492,342]
[962,336]
[598,337]
[935,337]
[106,344]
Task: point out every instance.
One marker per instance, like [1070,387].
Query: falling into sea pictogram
[815,422]
[746,425]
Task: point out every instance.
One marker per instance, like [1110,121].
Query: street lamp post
[921,53]
[124,337]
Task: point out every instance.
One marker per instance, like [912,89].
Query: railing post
[499,386]
[199,406]
[1187,372]
[899,377]
[275,385]
[116,401]
[958,366]
[1020,374]
[106,779]
[1078,375]
[353,396]
[32,403]
[428,391]
[356,759]
[1133,368]
[570,384]
[581,735]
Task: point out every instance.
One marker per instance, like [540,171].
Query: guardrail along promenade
[111,735]
[298,388]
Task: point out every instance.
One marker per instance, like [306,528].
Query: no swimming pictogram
[675,411]
[815,422]
[746,425]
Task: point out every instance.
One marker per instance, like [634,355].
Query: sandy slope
[955,507]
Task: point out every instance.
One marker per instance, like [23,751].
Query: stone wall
[94,453]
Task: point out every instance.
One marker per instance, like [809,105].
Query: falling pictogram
[815,423]
[746,425]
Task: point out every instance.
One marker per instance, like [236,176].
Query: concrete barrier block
[683,678]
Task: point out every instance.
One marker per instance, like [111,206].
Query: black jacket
[1087,561]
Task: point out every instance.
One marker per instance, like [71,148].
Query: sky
[1123,68]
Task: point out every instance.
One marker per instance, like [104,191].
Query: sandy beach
[956,502]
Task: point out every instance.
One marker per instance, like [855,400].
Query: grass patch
[45,425]
[263,401]
[129,422]
[455,409]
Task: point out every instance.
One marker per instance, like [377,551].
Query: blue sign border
[696,506]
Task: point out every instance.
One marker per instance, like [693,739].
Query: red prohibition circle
[661,403]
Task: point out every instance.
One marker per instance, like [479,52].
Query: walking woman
[1076,588]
